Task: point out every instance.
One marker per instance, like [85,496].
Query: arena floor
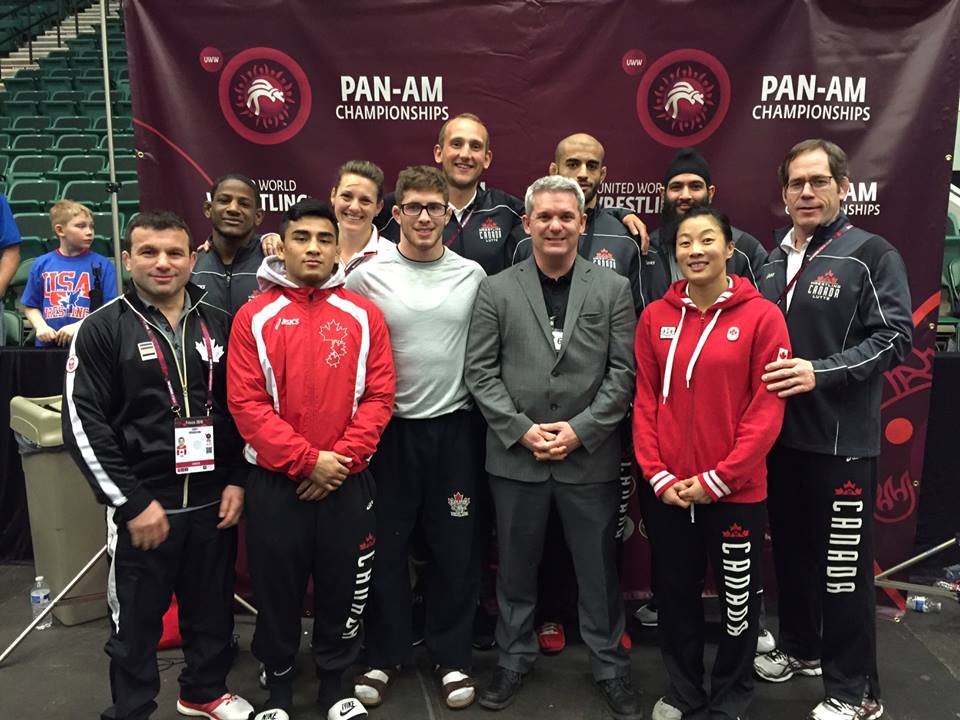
[61,674]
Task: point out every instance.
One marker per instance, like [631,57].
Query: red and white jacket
[308,369]
[700,408]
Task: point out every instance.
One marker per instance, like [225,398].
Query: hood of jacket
[737,292]
[273,273]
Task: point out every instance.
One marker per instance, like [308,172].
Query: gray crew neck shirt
[427,306]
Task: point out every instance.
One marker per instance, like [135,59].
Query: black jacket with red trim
[117,421]
[851,316]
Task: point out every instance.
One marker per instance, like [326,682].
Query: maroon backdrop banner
[286,91]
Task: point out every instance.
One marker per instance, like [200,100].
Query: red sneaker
[625,641]
[551,638]
[226,707]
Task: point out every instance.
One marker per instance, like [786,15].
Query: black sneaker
[623,700]
[502,689]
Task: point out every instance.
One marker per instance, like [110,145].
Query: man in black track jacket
[845,295]
[145,418]
[686,184]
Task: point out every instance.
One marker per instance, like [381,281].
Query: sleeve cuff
[309,461]
[136,503]
[661,481]
[715,487]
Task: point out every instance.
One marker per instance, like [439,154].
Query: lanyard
[807,260]
[165,370]
[460,226]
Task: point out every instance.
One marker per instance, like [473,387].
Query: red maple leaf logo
[735,531]
[828,277]
[849,489]
[368,542]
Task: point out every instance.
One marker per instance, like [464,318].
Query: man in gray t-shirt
[429,465]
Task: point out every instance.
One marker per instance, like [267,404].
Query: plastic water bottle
[39,601]
[923,604]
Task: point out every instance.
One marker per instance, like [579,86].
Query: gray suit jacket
[518,379]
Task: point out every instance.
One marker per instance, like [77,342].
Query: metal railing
[38,21]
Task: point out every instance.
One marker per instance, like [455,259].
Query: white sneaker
[777,666]
[665,711]
[834,709]
[346,709]
[765,642]
[647,615]
[226,707]
[272,714]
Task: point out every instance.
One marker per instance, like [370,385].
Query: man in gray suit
[549,362]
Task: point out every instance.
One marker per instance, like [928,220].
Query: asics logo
[286,321]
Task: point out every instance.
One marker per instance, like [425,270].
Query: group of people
[409,366]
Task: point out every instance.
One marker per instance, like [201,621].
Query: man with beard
[686,184]
[606,241]
[228,268]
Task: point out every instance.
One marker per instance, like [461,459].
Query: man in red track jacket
[311,386]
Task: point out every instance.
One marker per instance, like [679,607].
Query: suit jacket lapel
[529,281]
[579,285]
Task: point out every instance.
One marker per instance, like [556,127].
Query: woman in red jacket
[703,423]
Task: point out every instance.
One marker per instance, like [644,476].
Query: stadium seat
[92,193]
[34,224]
[28,73]
[17,84]
[121,124]
[31,166]
[121,142]
[103,222]
[18,282]
[34,141]
[34,96]
[20,108]
[12,328]
[5,122]
[102,245]
[73,96]
[75,142]
[32,195]
[129,198]
[29,124]
[32,246]
[70,124]
[125,163]
[4,161]
[53,83]
[59,108]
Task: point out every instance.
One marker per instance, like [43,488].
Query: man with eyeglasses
[429,466]
[845,295]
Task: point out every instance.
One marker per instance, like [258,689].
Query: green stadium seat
[20,108]
[75,142]
[123,107]
[92,193]
[129,198]
[32,195]
[57,84]
[31,166]
[121,142]
[90,83]
[28,124]
[18,282]
[12,328]
[34,141]
[102,245]
[35,96]
[70,124]
[32,246]
[35,224]
[73,96]
[17,84]
[5,122]
[92,110]
[121,124]
[28,73]
[59,108]
[5,140]
[89,164]
[4,161]
[125,163]
[103,222]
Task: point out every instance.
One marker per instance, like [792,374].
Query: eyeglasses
[434,209]
[817,182]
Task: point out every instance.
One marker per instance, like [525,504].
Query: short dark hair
[835,155]
[421,177]
[308,207]
[464,116]
[365,169]
[249,182]
[707,211]
[154,220]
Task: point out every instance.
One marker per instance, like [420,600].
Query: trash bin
[67,524]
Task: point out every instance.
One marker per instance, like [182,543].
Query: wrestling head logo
[265,96]
[683,98]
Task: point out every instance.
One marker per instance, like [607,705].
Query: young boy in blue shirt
[67,284]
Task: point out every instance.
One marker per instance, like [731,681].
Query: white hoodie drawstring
[673,349]
[700,344]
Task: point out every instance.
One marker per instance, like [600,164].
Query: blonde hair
[63,211]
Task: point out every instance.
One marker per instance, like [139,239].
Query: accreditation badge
[193,444]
